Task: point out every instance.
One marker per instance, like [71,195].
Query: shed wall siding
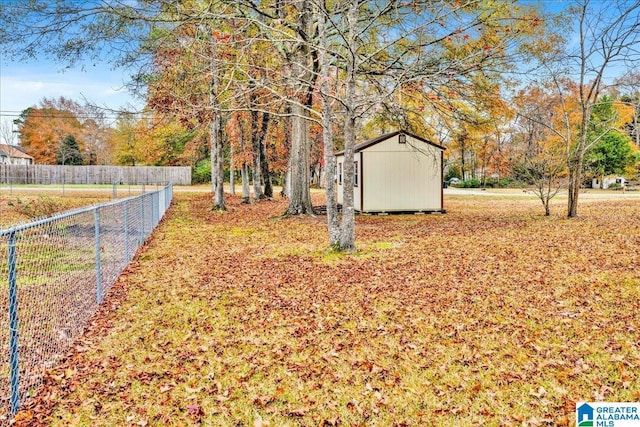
[402,180]
[391,144]
[397,177]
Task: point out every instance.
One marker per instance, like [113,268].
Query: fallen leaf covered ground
[20,206]
[489,315]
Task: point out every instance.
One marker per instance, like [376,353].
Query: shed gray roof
[366,144]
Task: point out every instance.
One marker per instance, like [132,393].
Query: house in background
[14,155]
[608,181]
[396,172]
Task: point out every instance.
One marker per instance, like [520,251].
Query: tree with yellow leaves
[128,146]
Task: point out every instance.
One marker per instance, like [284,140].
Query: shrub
[453,172]
[470,183]
[501,183]
[504,183]
[202,172]
[38,208]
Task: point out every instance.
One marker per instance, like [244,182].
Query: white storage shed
[608,181]
[396,172]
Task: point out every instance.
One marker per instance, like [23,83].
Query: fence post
[162,204]
[125,205]
[13,325]
[154,209]
[170,198]
[96,216]
[142,236]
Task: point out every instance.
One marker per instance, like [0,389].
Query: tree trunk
[333,224]
[232,171]
[286,179]
[473,165]
[266,173]
[302,81]
[463,164]
[217,164]
[575,176]
[636,131]
[215,134]
[348,230]
[298,183]
[264,160]
[576,160]
[347,226]
[255,146]
[246,192]
[257,175]
[244,169]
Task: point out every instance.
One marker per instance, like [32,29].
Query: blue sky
[23,85]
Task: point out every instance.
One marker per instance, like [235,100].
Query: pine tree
[69,152]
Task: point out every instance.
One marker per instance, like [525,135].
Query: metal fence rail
[53,275]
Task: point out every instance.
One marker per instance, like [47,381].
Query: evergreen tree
[611,150]
[69,152]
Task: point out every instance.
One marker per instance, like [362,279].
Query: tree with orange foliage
[42,130]
[543,129]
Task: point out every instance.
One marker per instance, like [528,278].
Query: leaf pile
[489,315]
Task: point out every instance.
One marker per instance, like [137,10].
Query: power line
[71,115]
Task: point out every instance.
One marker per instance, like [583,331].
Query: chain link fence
[53,187]
[53,275]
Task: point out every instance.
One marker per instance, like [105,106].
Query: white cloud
[24,86]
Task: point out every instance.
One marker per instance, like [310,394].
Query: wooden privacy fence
[134,175]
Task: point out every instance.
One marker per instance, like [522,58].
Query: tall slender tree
[607,37]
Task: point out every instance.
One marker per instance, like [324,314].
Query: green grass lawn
[490,315]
